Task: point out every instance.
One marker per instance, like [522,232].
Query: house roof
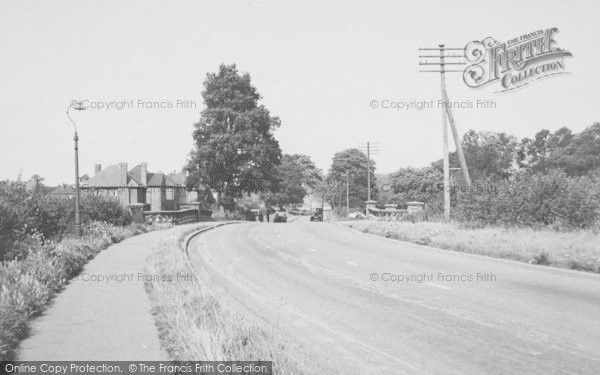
[63,190]
[156,179]
[152,179]
[177,178]
[113,176]
[136,172]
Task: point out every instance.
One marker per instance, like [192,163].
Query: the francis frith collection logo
[515,63]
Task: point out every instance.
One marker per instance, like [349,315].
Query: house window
[170,194]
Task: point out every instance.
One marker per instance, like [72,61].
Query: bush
[110,210]
[550,199]
[22,215]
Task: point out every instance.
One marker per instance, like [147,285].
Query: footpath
[102,315]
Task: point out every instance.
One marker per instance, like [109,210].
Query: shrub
[534,200]
[22,215]
[110,210]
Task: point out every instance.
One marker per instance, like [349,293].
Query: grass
[196,324]
[28,285]
[578,250]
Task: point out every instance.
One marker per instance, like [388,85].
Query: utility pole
[368,171]
[445,139]
[369,148]
[447,114]
[347,175]
[347,195]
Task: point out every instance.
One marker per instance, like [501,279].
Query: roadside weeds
[577,250]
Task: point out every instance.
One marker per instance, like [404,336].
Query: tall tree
[297,173]
[235,150]
[413,184]
[310,175]
[581,154]
[540,153]
[352,161]
[488,154]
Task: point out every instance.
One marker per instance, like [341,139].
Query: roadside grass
[28,285]
[577,250]
[196,324]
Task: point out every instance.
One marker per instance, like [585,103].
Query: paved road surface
[316,281]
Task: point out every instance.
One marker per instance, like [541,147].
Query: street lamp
[78,106]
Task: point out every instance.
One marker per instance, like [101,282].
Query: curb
[187,239]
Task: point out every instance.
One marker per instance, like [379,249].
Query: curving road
[365,304]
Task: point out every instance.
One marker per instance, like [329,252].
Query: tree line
[550,179]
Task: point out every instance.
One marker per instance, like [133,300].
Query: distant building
[63,191]
[157,191]
[33,186]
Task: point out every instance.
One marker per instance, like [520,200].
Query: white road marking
[352,263]
[313,250]
[439,286]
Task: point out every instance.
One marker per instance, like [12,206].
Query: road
[337,292]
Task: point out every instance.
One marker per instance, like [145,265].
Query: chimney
[144,173]
[123,168]
[97,168]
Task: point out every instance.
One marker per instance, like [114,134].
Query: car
[252,215]
[356,215]
[280,217]
[317,216]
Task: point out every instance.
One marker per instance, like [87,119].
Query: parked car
[317,216]
[356,215]
[280,217]
[252,215]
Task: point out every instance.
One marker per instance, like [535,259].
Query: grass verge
[195,324]
[28,285]
[578,250]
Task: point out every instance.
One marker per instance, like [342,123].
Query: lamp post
[78,107]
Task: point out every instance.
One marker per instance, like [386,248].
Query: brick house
[157,191]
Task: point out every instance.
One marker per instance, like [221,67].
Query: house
[63,191]
[157,191]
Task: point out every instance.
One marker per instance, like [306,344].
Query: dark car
[317,216]
[280,217]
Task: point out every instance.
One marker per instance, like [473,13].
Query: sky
[318,65]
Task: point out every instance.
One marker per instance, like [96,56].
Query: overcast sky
[317,64]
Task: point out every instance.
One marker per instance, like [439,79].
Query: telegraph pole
[347,175]
[369,148]
[445,138]
[368,171]
[447,114]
